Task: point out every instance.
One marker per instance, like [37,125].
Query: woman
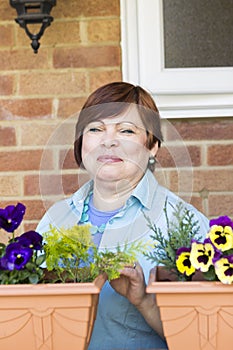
[118,134]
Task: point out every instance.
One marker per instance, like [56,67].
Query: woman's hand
[131,284]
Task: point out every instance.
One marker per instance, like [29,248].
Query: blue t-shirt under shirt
[98,218]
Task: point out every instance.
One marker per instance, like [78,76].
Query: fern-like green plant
[68,253]
[72,256]
[111,262]
[180,231]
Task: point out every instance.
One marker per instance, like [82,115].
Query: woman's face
[114,148]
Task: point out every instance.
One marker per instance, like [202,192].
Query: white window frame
[188,92]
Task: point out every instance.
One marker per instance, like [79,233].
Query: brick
[210,129]
[70,183]
[208,180]
[6,37]
[197,202]
[161,176]
[35,209]
[82,177]
[181,181]
[31,185]
[30,226]
[7,136]
[67,160]
[88,8]
[104,30]
[34,134]
[61,185]
[48,185]
[57,34]
[87,57]
[62,33]
[23,59]
[173,156]
[69,107]
[99,78]
[220,205]
[6,85]
[213,180]
[25,108]
[23,40]
[4,237]
[22,160]
[58,83]
[220,155]
[50,135]
[6,11]
[165,159]
[10,185]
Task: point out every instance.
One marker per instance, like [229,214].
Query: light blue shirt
[119,325]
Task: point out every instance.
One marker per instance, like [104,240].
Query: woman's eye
[127,131]
[94,129]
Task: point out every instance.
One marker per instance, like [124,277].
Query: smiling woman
[118,135]
[114,149]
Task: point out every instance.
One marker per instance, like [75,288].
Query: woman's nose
[110,139]
[110,143]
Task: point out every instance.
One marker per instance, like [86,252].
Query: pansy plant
[61,255]
[214,256]
[183,251]
[21,258]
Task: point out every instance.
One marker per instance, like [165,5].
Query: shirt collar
[80,195]
[145,190]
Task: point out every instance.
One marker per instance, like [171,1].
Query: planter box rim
[189,287]
[167,283]
[53,288]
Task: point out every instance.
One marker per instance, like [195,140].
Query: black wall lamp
[33,12]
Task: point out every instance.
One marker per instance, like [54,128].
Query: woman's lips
[109,159]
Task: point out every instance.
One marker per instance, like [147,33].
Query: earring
[152,160]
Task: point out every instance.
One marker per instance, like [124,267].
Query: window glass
[198,33]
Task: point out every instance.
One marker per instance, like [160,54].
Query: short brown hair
[111,100]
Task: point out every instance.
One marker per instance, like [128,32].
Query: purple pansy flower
[221,237]
[183,263]
[224,269]
[202,254]
[222,221]
[11,217]
[30,239]
[16,257]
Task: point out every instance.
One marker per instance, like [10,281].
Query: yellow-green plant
[72,255]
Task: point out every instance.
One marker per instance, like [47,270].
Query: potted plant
[193,287]
[53,307]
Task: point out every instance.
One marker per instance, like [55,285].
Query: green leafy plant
[69,254]
[183,253]
[180,231]
[72,256]
[112,262]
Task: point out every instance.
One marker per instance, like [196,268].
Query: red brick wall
[205,175]
[40,94]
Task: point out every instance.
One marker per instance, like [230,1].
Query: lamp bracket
[33,12]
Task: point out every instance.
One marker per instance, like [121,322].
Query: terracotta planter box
[195,315]
[48,316]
